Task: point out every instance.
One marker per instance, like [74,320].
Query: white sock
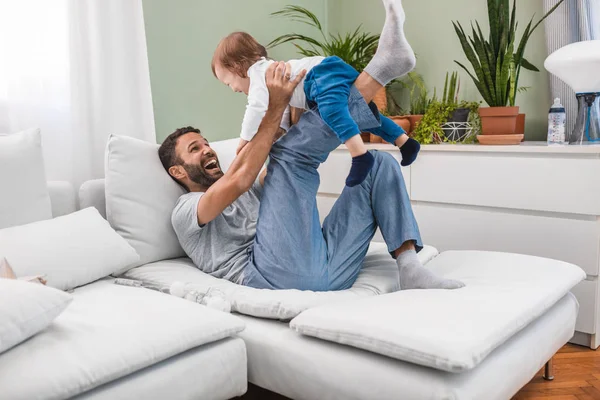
[394,56]
[414,276]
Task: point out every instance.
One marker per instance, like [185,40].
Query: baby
[240,62]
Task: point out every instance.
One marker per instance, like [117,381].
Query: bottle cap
[557,103]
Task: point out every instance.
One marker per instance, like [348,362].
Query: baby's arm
[258,102]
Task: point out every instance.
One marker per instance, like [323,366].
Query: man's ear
[177,172]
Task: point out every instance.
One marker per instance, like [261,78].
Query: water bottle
[557,121]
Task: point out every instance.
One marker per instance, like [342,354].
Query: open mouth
[211,165]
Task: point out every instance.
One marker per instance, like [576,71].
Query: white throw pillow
[24,195]
[140,197]
[449,330]
[26,309]
[71,250]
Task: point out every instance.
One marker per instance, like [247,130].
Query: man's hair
[167,150]
[237,52]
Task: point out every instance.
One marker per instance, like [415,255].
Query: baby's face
[231,79]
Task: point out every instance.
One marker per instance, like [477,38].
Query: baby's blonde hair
[237,52]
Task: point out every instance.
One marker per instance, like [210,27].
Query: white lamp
[578,65]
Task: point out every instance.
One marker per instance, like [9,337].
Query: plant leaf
[299,14]
[486,63]
[513,22]
[523,89]
[471,56]
[527,65]
[493,21]
[546,15]
[482,89]
[292,37]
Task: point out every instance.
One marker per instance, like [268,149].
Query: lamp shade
[578,65]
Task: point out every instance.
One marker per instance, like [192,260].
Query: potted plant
[449,120]
[355,48]
[497,63]
[418,100]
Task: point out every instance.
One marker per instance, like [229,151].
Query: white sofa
[482,342]
[297,366]
[116,342]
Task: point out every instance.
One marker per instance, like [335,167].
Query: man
[267,233]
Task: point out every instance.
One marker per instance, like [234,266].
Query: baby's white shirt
[258,94]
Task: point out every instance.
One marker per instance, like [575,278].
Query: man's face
[200,162]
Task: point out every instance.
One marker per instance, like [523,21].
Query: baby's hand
[240,146]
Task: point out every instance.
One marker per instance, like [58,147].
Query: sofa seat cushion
[450,330]
[378,275]
[106,333]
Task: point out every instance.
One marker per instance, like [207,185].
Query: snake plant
[497,60]
[356,48]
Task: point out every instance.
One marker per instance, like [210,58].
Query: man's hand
[240,146]
[280,84]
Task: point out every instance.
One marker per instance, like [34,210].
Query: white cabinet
[529,199]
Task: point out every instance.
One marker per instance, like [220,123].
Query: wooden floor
[576,377]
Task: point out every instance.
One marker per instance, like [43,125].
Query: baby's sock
[409,151]
[361,165]
[394,56]
[414,276]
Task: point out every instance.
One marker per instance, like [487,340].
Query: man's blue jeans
[291,249]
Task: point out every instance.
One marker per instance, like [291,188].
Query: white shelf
[525,147]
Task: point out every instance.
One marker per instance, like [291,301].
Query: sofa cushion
[62,197]
[106,333]
[27,308]
[24,197]
[70,251]
[140,197]
[450,330]
[91,194]
[378,275]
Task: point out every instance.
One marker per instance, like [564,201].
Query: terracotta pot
[498,120]
[380,99]
[520,124]
[414,121]
[403,122]
[365,136]
[375,139]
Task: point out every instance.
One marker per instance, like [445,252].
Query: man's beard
[199,175]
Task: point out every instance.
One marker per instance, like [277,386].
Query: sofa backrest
[92,193]
[62,198]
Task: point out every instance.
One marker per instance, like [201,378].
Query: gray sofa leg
[549,371]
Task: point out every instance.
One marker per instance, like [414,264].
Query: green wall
[431,34]
[181,37]
[182,34]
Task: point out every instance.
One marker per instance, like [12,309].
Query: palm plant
[356,48]
[497,66]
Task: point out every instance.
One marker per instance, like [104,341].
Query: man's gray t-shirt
[220,247]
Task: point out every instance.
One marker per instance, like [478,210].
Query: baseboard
[582,339]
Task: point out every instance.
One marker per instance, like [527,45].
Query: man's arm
[246,166]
